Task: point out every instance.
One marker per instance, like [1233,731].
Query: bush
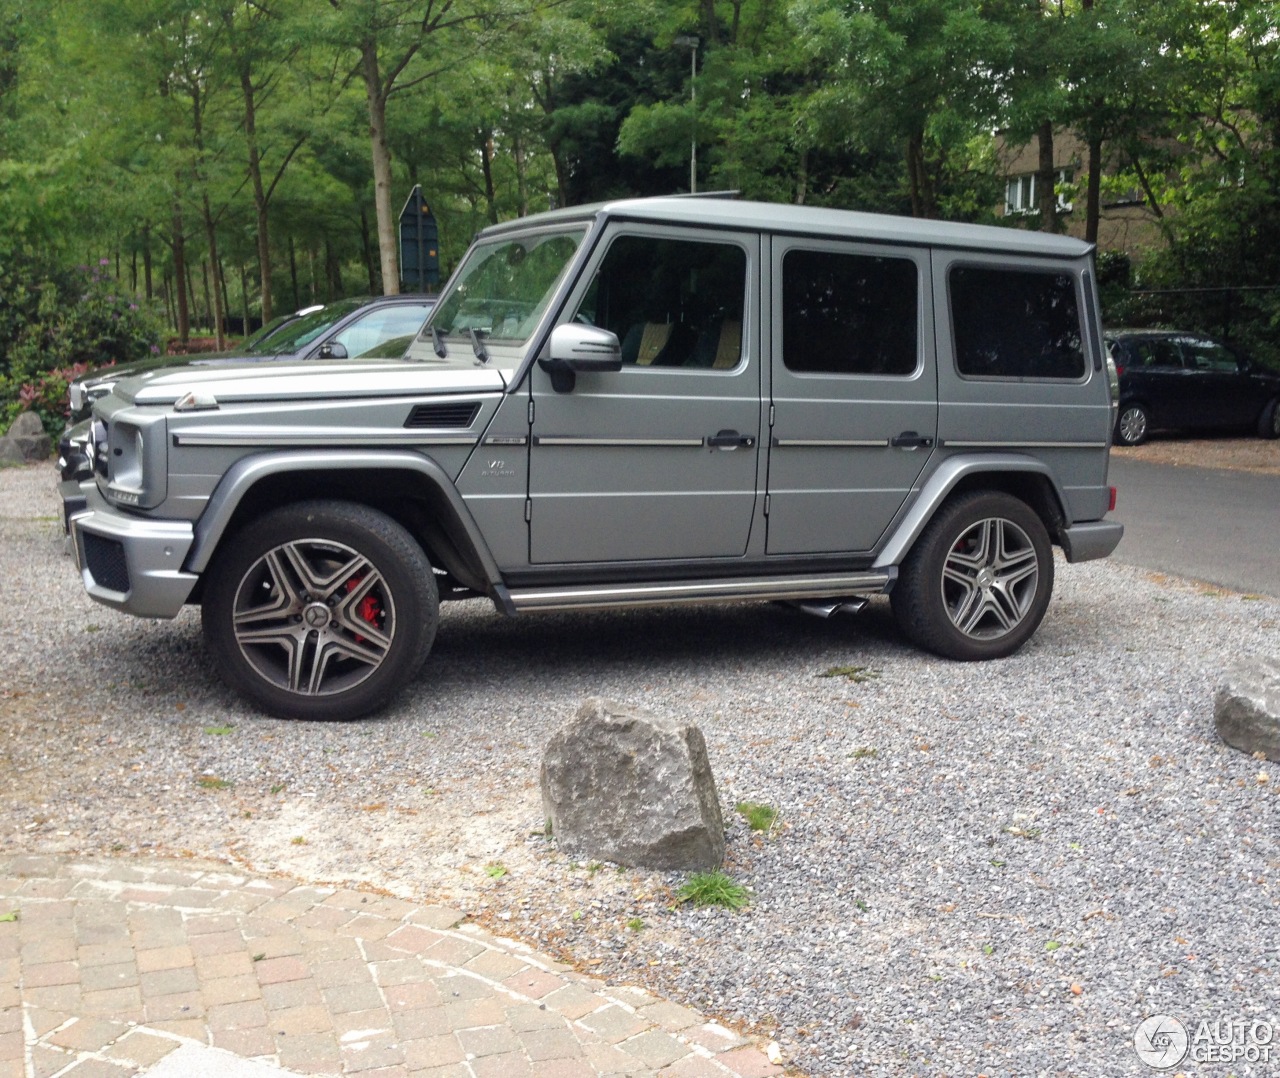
[55,324]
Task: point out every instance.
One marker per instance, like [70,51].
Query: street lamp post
[690,42]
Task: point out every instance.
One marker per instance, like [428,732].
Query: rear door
[853,390]
[1225,395]
[1016,372]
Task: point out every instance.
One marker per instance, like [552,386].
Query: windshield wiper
[437,343]
[477,345]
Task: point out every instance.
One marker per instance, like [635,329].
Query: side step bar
[602,596]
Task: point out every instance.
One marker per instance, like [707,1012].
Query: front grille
[105,560]
[457,414]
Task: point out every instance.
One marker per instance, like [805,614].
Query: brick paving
[110,969]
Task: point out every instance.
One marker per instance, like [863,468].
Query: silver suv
[652,401]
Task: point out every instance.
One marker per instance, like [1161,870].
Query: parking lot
[979,868]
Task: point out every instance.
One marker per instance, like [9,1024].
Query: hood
[155,363]
[310,380]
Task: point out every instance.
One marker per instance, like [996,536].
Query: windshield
[254,342]
[301,332]
[505,285]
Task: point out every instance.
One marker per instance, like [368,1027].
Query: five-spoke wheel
[321,610]
[977,582]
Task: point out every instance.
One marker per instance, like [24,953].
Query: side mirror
[576,348]
[333,350]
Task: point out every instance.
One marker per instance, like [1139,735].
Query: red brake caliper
[369,609]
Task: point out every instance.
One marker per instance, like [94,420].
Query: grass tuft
[713,889]
[759,817]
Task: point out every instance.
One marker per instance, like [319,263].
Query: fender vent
[457,414]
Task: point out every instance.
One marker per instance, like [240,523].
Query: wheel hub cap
[316,615]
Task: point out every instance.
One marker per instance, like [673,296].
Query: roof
[730,213]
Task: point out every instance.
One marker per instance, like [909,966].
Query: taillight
[1111,504]
[1119,369]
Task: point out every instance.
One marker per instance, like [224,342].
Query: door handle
[909,439]
[729,439]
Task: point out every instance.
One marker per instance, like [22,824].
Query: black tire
[320,610]
[978,580]
[1133,424]
[1269,421]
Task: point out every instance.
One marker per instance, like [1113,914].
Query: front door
[657,461]
[854,391]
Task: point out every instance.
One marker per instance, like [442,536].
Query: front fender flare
[242,476]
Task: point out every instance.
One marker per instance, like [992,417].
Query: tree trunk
[191,295]
[219,305]
[146,261]
[259,191]
[486,167]
[522,184]
[244,300]
[170,316]
[1047,196]
[802,178]
[1093,192]
[367,248]
[381,169]
[293,273]
[180,272]
[204,281]
[922,200]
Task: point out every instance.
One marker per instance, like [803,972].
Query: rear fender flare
[951,474]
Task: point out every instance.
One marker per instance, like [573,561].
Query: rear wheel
[1269,421]
[1132,425]
[320,610]
[978,580]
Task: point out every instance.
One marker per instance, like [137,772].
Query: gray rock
[32,447]
[27,425]
[621,785]
[10,453]
[1246,707]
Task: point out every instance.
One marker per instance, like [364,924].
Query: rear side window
[1016,323]
[849,313]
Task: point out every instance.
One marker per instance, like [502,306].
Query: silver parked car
[344,328]
[651,401]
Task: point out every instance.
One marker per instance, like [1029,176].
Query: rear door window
[849,313]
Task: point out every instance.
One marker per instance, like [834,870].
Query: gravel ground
[993,869]
[1218,451]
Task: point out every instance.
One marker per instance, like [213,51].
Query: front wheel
[977,582]
[320,610]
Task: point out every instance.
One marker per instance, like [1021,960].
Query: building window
[1021,193]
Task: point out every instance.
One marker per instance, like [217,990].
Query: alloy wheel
[314,617]
[989,579]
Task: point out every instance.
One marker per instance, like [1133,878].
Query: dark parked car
[1183,381]
[345,328]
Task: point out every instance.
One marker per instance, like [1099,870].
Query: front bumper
[128,562]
